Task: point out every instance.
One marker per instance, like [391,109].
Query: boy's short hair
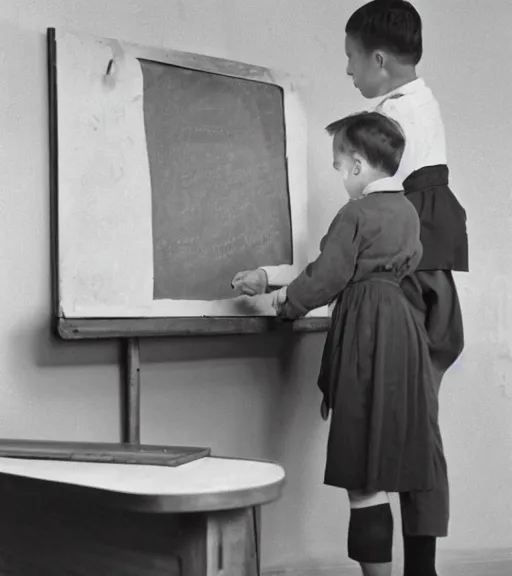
[376,137]
[393,25]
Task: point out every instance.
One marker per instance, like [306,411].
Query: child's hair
[376,137]
[393,25]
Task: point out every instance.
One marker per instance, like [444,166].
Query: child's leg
[425,516]
[419,555]
[370,533]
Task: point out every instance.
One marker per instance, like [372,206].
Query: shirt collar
[412,87]
[390,184]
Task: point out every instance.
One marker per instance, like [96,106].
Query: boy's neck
[399,77]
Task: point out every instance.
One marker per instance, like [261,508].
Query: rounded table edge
[151,503]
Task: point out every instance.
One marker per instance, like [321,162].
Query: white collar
[390,184]
[412,87]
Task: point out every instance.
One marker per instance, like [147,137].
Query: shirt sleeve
[279,276]
[323,280]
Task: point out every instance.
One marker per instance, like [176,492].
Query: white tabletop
[200,480]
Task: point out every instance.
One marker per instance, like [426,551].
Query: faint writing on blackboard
[217,156]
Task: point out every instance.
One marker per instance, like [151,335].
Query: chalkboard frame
[69,326]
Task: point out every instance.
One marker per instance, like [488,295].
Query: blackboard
[217,157]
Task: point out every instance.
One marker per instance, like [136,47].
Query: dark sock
[370,534]
[419,556]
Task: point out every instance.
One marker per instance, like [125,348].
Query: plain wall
[256,396]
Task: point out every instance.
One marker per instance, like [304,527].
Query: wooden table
[76,518]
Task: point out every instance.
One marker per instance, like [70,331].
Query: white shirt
[419,115]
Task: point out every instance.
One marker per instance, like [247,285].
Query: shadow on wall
[47,349]
[164,363]
[297,440]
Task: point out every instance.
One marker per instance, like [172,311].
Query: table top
[205,484]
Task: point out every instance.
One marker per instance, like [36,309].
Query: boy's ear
[380,58]
[357,165]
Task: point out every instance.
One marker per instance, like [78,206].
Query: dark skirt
[377,378]
[443,231]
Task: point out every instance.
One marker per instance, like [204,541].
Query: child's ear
[380,58]
[357,166]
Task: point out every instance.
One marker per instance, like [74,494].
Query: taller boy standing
[383,46]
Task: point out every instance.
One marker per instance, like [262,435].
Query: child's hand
[250,282]
[258,305]
[278,299]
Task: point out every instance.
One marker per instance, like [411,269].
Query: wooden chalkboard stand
[93,328]
[133,328]
[132,392]
[128,330]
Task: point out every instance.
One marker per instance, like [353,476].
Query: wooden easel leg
[132,392]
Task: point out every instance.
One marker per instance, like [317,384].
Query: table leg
[231,544]
[257,534]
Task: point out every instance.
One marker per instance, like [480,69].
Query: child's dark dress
[376,372]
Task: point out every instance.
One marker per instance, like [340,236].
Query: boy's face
[365,68]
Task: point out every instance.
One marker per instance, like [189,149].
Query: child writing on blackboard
[376,374]
[383,46]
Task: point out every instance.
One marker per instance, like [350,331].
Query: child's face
[365,68]
[351,169]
